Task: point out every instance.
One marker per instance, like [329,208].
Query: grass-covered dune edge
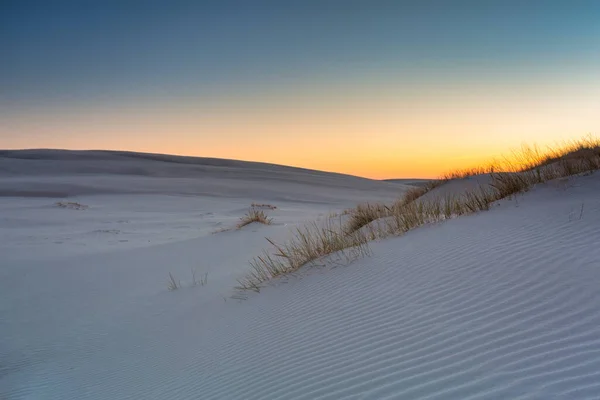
[349,235]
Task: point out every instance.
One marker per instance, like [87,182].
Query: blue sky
[83,49]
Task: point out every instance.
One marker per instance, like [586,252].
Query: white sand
[500,305]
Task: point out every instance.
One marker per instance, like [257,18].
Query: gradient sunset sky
[383,89]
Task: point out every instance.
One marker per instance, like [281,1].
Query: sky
[381,89]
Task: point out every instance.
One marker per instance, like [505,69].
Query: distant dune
[106,161]
[66,173]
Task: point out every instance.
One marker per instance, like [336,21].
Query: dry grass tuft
[468,172]
[364,214]
[173,284]
[309,244]
[346,211]
[508,184]
[479,199]
[413,194]
[254,215]
[221,230]
[202,281]
[418,191]
[71,205]
[268,206]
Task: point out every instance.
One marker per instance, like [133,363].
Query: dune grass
[531,166]
[172,283]
[308,244]
[199,282]
[175,284]
[508,177]
[414,193]
[364,214]
[468,172]
[254,215]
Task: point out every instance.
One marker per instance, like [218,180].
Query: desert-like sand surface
[503,304]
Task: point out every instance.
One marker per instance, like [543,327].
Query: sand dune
[499,305]
[60,173]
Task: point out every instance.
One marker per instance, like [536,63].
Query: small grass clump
[71,205]
[254,215]
[173,284]
[364,214]
[268,206]
[413,194]
[199,282]
[418,191]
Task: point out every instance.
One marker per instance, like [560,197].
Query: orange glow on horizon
[372,133]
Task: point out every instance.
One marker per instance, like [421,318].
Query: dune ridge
[497,305]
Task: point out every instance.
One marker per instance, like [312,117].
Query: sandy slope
[499,305]
[71,276]
[60,173]
[146,199]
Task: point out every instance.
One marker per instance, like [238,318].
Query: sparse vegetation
[479,199]
[254,215]
[173,284]
[308,244]
[363,214]
[203,279]
[268,206]
[468,172]
[526,168]
[418,191]
[221,230]
[71,205]
[347,211]
[531,166]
